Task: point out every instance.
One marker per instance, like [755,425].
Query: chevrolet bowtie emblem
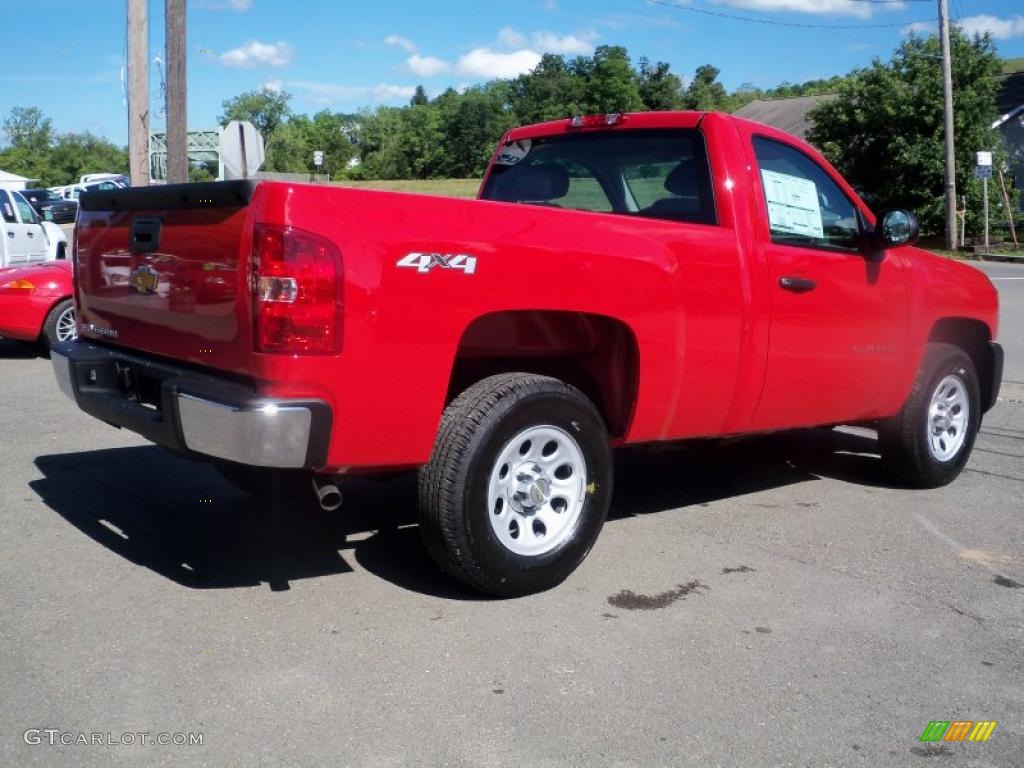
[144,279]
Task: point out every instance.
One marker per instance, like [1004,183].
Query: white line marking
[1006,278]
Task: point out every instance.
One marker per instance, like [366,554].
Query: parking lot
[771,602]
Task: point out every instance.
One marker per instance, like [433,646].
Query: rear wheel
[927,444]
[518,485]
[60,323]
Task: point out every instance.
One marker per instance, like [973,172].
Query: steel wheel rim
[66,329]
[536,491]
[949,416]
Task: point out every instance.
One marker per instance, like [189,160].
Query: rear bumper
[992,395]
[191,412]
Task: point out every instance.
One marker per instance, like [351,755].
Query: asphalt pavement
[774,602]
[1008,278]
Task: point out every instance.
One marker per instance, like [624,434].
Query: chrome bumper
[192,412]
[273,435]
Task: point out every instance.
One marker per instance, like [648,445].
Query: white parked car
[26,238]
[72,191]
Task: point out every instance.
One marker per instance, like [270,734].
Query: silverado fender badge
[110,333]
[424,262]
[144,279]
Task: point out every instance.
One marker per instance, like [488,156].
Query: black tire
[453,486]
[50,335]
[904,439]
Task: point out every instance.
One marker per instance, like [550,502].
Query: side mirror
[47,214]
[896,229]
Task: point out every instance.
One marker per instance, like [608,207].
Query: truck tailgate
[161,270]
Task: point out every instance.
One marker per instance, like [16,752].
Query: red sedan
[35,303]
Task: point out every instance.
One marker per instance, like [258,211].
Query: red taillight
[297,281]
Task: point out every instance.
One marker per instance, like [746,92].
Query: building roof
[1010,98]
[788,115]
[5,176]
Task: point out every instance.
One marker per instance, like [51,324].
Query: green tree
[266,109]
[610,83]
[419,98]
[705,93]
[550,92]
[75,154]
[660,89]
[28,128]
[884,131]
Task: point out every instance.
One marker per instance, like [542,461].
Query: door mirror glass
[47,214]
[897,228]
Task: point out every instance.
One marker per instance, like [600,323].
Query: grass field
[441,187]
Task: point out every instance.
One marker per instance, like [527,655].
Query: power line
[795,24]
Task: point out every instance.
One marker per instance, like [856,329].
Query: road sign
[241,150]
[984,159]
[318,158]
[983,171]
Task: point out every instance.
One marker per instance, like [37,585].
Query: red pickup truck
[622,279]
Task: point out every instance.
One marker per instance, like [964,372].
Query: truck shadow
[21,350]
[180,519]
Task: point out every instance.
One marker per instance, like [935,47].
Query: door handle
[797,284]
[10,233]
[31,234]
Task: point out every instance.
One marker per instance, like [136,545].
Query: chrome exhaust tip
[328,495]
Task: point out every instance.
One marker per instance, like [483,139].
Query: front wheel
[518,486]
[927,444]
[60,323]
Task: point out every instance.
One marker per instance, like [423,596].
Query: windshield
[655,174]
[39,195]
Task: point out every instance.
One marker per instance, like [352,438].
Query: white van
[25,238]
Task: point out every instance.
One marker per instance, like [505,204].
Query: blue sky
[66,56]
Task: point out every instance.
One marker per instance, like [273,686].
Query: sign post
[983,171]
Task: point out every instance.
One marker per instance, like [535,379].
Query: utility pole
[138,92]
[947,92]
[177,106]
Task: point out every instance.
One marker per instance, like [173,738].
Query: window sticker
[513,152]
[793,205]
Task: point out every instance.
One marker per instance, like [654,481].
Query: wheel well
[594,353]
[972,336]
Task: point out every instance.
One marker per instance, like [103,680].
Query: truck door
[839,326]
[33,236]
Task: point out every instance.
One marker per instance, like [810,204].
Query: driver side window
[28,216]
[805,206]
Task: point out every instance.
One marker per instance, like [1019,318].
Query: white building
[13,181]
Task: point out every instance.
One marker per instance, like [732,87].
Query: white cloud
[274,85]
[821,7]
[257,54]
[510,38]
[1000,29]
[326,94]
[401,42]
[488,64]
[550,5]
[921,28]
[567,45]
[427,66]
[511,55]
[225,5]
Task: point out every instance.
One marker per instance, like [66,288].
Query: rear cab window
[660,174]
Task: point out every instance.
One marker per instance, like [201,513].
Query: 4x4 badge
[424,262]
